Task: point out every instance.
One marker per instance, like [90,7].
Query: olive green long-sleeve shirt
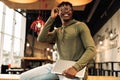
[74,41]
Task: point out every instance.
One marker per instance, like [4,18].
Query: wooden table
[9,77]
[17,77]
[103,78]
[35,58]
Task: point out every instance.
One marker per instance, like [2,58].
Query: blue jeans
[42,73]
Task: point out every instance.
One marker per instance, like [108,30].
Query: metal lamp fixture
[76,2]
[23,1]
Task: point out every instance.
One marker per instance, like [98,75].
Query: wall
[108,47]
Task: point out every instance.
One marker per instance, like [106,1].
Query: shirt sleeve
[45,35]
[90,49]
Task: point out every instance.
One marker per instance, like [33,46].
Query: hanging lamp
[37,25]
[76,2]
[23,1]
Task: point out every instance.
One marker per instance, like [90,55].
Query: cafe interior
[20,21]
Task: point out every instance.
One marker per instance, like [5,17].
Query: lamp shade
[37,25]
[23,1]
[76,2]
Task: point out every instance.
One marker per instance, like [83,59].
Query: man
[74,42]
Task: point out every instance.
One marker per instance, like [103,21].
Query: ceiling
[94,14]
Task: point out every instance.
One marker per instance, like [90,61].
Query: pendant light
[38,24]
[23,1]
[76,2]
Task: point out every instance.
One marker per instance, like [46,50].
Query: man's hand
[55,12]
[70,72]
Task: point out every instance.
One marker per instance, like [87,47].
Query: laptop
[61,65]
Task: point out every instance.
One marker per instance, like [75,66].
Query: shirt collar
[70,22]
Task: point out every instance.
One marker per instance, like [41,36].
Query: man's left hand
[70,72]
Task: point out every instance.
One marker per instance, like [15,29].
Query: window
[16,47]
[1,13]
[8,21]
[18,25]
[12,36]
[7,43]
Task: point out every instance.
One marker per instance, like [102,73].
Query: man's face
[65,12]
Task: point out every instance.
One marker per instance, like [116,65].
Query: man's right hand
[55,12]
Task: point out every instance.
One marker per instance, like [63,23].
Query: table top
[17,77]
[9,77]
[35,58]
[103,78]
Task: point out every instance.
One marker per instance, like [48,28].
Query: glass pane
[0,39]
[1,7]
[7,43]
[5,60]
[5,57]
[1,13]
[9,21]
[18,25]
[16,46]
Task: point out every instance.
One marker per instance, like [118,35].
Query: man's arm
[89,45]
[89,53]
[43,36]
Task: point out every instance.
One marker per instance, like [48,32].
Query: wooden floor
[16,77]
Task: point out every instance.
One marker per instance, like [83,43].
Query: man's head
[65,11]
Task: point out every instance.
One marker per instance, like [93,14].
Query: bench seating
[9,77]
[103,78]
[17,77]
